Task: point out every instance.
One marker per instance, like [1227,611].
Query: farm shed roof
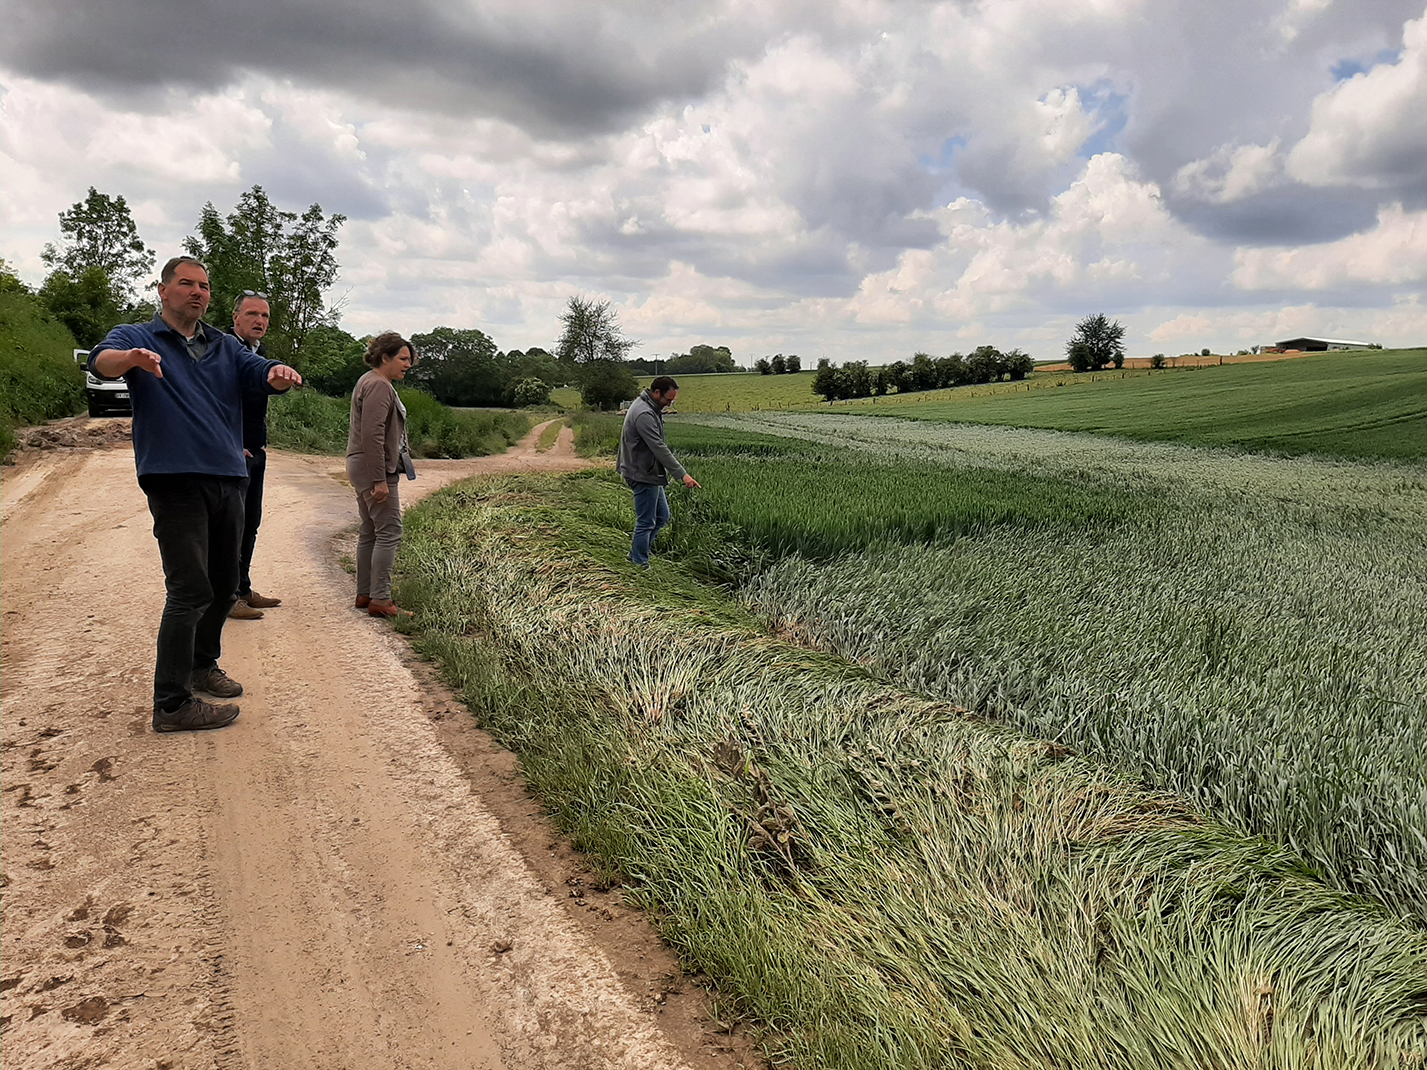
[1321,343]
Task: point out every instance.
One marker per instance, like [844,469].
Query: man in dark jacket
[186,381]
[646,462]
[250,324]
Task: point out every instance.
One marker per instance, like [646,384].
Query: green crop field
[938,745]
[1362,404]
[1243,630]
[1368,404]
[742,391]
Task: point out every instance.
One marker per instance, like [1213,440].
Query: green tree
[985,364]
[591,333]
[778,365]
[534,363]
[332,360]
[529,391]
[595,346]
[98,232]
[701,359]
[1018,364]
[952,370]
[791,364]
[458,367]
[1097,342]
[605,383]
[923,372]
[85,304]
[289,257]
[763,366]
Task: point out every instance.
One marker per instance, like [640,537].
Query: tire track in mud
[317,886]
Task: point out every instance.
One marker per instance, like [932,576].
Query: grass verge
[310,422]
[877,879]
[39,379]
[549,435]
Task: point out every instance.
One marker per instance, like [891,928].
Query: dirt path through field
[344,878]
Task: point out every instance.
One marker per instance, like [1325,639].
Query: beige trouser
[378,537]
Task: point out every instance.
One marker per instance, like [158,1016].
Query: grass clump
[309,422]
[596,434]
[39,379]
[876,878]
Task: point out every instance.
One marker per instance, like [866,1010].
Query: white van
[105,398]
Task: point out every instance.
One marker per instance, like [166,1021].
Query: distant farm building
[1320,345]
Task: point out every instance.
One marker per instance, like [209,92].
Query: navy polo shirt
[191,420]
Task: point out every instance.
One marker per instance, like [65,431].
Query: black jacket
[255,411]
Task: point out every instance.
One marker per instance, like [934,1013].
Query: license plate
[123,395]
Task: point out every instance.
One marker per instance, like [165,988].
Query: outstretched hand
[146,360]
[281,377]
[690,482]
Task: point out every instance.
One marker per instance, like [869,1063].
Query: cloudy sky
[849,178]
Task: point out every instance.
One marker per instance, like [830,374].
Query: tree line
[855,379]
[98,274]
[778,364]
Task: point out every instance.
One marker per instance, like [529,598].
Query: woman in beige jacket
[376,443]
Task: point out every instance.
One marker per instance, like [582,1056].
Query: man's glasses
[254,293]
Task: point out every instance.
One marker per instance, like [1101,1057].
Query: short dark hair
[662,384]
[385,346]
[166,276]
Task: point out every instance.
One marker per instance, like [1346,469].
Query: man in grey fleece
[646,463]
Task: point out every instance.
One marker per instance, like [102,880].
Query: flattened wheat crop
[1252,635]
[878,879]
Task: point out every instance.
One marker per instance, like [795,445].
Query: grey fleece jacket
[644,457]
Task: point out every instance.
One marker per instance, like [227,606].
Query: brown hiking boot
[259,601]
[363,601]
[195,715]
[214,681]
[242,611]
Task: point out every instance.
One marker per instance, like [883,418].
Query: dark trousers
[198,522]
[252,518]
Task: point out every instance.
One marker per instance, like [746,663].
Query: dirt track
[350,876]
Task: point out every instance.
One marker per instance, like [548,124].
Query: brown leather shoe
[258,601]
[242,611]
[195,715]
[363,601]
[387,608]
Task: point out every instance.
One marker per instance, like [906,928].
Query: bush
[529,391]
[39,379]
[436,431]
[605,383]
[306,421]
[1157,361]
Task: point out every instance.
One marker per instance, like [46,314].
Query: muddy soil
[352,875]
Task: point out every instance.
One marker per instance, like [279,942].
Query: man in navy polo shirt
[186,381]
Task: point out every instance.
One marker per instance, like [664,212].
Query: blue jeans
[651,512]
